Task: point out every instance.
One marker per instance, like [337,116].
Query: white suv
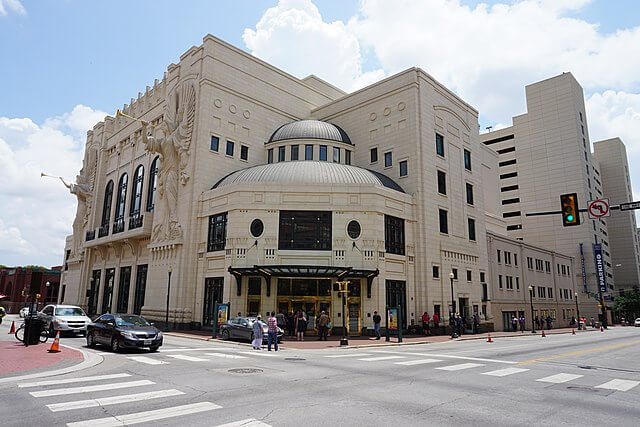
[64,318]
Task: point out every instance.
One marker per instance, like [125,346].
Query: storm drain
[245,371]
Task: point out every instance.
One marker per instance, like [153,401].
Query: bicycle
[44,335]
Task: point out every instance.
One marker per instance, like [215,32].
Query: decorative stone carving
[172,141]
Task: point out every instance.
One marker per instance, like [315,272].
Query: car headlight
[129,335]
[159,334]
[58,322]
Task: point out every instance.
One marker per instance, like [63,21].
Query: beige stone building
[240,183]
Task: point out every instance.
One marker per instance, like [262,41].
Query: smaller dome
[310,129]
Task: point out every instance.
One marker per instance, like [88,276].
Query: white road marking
[73,380]
[104,353]
[379,358]
[170,350]
[447,356]
[188,358]
[147,360]
[620,385]
[417,362]
[460,366]
[335,356]
[89,388]
[560,378]
[258,353]
[504,372]
[113,400]
[146,416]
[226,356]
[249,422]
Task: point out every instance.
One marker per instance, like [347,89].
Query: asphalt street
[584,379]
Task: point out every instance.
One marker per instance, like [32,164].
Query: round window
[353,229]
[257,227]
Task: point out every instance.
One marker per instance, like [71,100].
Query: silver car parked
[64,318]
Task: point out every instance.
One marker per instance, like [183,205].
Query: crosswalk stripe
[446,356]
[460,366]
[113,400]
[73,380]
[379,358]
[258,353]
[504,372]
[249,422]
[335,356]
[226,356]
[146,416]
[147,360]
[560,378]
[188,358]
[619,385]
[171,350]
[417,362]
[90,388]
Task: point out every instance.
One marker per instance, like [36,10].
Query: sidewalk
[312,342]
[16,358]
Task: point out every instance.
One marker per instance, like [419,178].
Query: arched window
[106,207]
[153,179]
[121,199]
[136,195]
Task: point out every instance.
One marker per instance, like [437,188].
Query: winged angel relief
[171,139]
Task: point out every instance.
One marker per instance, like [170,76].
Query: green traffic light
[569,217]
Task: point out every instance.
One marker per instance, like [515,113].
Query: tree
[628,304]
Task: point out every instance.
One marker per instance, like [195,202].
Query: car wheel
[115,345]
[154,349]
[91,342]
[225,334]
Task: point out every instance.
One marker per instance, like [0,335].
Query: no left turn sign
[599,208]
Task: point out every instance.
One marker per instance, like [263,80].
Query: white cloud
[37,213]
[13,5]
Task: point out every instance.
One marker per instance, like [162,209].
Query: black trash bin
[33,328]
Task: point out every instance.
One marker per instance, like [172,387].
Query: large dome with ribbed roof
[310,129]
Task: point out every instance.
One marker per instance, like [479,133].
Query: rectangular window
[295,152]
[255,285]
[508,188]
[394,235]
[323,153]
[506,150]
[499,258]
[215,143]
[472,229]
[444,226]
[469,275]
[508,175]
[455,273]
[517,283]
[308,152]
[482,277]
[511,201]
[374,154]
[123,290]
[435,271]
[550,293]
[217,235]
[442,182]
[141,285]
[404,169]
[469,193]
[511,214]
[347,157]
[439,145]
[281,154]
[305,230]
[467,160]
[507,163]
[514,227]
[244,152]
[230,147]
[515,259]
[500,281]
[547,266]
[507,258]
[270,155]
[388,159]
[336,155]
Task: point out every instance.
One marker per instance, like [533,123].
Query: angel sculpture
[172,141]
[84,194]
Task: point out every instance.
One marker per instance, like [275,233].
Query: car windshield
[69,311]
[131,321]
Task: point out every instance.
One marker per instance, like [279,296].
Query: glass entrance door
[354,318]
[212,294]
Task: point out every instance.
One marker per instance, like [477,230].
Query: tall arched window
[136,195]
[118,224]
[106,210]
[153,180]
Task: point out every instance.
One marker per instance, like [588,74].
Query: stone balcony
[133,227]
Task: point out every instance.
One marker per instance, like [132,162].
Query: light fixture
[451,275]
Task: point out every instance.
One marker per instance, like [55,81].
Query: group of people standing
[541,322]
[272,332]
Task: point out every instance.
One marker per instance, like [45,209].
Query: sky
[66,64]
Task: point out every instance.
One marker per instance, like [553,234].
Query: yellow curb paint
[579,352]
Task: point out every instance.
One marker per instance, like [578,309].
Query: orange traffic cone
[573,331]
[55,346]
[543,334]
[13,327]
[489,337]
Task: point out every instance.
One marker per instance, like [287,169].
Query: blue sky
[65,64]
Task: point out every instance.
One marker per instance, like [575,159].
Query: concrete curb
[90,360]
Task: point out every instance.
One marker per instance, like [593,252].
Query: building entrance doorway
[506,320]
[308,295]
[213,287]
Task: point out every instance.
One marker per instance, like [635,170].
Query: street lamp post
[533,329]
[166,315]
[452,320]
[577,311]
[343,290]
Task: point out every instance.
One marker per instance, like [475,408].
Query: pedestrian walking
[282,320]
[272,331]
[425,323]
[301,325]
[476,323]
[376,324]
[458,324]
[514,323]
[323,326]
[436,322]
[257,334]
[291,324]
[549,320]
[522,322]
[593,322]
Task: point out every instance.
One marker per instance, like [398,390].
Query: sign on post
[629,206]
[392,314]
[598,208]
[600,273]
[221,315]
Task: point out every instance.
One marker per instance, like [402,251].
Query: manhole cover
[245,371]
[294,358]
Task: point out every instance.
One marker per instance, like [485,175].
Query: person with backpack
[376,324]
